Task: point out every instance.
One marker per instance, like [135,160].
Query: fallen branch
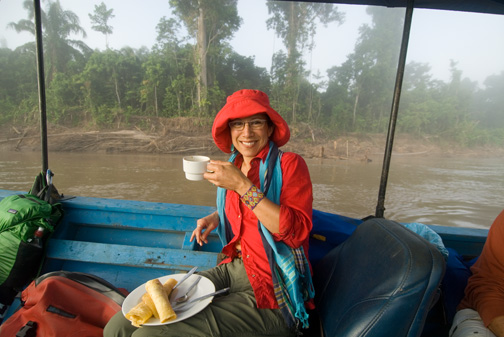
[20,141]
[186,150]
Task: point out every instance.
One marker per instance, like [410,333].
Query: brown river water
[449,191]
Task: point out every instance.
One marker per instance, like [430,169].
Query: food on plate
[154,301]
[168,285]
[150,303]
[139,314]
[160,299]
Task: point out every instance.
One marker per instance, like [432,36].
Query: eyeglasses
[254,124]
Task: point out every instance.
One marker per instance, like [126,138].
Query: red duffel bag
[64,304]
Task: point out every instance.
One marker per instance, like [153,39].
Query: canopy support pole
[41,87]
[380,207]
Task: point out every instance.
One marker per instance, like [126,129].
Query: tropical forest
[192,68]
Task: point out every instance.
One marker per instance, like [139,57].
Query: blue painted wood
[128,242]
[113,254]
[126,277]
[6,193]
[165,225]
[466,241]
[135,214]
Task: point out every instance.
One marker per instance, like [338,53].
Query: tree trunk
[117,92]
[202,46]
[292,57]
[354,114]
[155,100]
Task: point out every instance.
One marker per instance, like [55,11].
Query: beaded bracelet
[252,197]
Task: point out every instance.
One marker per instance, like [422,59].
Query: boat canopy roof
[477,6]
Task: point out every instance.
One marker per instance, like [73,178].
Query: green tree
[18,85]
[210,22]
[431,107]
[63,99]
[296,23]
[369,72]
[111,83]
[58,25]
[459,93]
[239,71]
[418,100]
[100,19]
[337,100]
[489,106]
[169,87]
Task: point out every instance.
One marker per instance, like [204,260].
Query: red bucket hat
[245,103]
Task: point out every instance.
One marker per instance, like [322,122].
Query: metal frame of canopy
[475,6]
[41,86]
[478,6]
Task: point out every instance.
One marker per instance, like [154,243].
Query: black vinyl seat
[381,281]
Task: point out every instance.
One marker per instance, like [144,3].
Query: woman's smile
[248,143]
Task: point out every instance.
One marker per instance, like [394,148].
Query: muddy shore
[190,136]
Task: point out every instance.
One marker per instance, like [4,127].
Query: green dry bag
[20,216]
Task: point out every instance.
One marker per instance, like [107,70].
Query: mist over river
[450,191]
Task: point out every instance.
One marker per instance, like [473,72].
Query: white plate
[205,286]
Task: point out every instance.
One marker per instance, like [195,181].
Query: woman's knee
[467,322]
[118,326]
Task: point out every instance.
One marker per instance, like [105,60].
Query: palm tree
[58,25]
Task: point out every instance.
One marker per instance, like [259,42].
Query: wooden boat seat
[381,281]
[128,242]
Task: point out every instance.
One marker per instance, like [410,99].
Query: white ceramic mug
[195,166]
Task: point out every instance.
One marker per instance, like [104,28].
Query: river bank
[190,136]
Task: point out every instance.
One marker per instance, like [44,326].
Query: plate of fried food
[153,302]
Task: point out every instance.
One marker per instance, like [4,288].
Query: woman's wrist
[243,186]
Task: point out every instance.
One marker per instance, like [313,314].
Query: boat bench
[128,242]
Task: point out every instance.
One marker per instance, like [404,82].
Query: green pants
[233,315]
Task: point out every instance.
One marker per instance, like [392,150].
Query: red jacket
[296,201]
[485,289]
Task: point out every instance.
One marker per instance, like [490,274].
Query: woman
[481,311]
[264,203]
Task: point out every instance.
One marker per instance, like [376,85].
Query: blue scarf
[290,270]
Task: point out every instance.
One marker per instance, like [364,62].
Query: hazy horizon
[474,41]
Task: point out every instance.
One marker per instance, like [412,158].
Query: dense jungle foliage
[192,69]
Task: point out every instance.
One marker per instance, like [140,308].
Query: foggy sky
[474,41]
